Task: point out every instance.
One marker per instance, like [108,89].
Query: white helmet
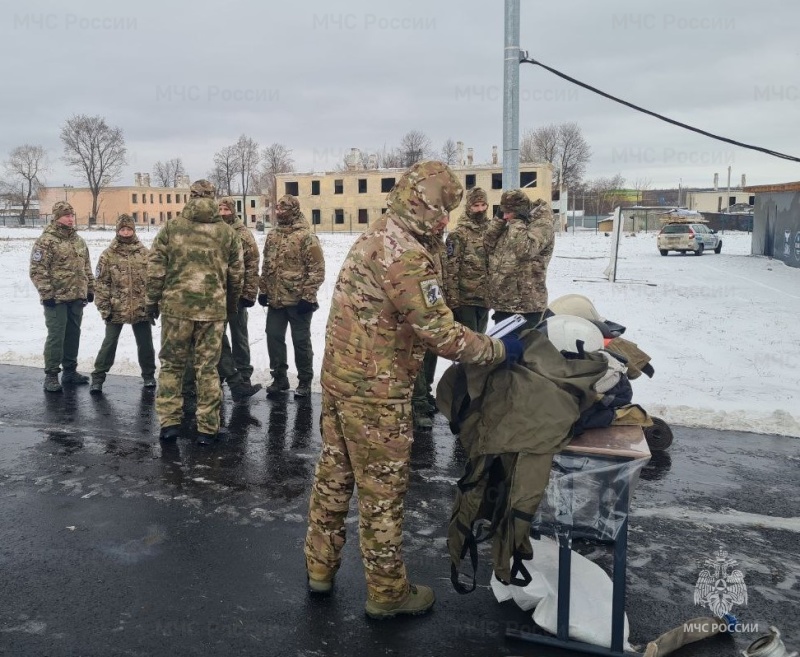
[577,305]
[565,331]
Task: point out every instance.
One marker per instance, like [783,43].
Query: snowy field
[722,329]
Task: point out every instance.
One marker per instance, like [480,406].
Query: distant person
[240,339]
[467,264]
[122,299]
[62,273]
[387,309]
[519,245]
[291,275]
[194,280]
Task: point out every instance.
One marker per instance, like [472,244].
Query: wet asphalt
[113,544]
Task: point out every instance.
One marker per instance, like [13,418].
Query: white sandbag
[526,597]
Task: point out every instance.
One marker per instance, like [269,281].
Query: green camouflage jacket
[388,307]
[121,285]
[293,267]
[466,264]
[519,252]
[250,254]
[60,267]
[195,268]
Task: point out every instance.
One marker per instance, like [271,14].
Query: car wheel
[699,250]
[659,436]
[663,251]
[718,248]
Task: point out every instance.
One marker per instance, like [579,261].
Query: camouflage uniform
[467,266]
[519,251]
[121,299]
[291,274]
[62,273]
[194,278]
[387,308]
[239,347]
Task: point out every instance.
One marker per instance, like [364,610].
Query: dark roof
[777,187]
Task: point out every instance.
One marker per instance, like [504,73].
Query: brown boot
[418,600]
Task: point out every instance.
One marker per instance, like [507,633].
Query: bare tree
[641,185]
[539,145]
[414,146]
[390,158]
[168,174]
[276,158]
[606,192]
[449,152]
[561,145]
[247,161]
[25,169]
[94,150]
[225,169]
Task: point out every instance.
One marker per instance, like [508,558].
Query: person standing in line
[519,246]
[121,298]
[61,271]
[291,275]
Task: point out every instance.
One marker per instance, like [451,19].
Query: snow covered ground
[722,329]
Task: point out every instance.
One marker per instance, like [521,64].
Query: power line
[761,149]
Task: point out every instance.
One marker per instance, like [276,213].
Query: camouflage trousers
[368,446]
[179,339]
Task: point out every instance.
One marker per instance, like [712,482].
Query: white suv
[696,238]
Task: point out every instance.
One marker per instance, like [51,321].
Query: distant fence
[30,221]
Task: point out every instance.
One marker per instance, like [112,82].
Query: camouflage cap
[229,202]
[202,189]
[125,221]
[428,190]
[516,201]
[62,209]
[476,195]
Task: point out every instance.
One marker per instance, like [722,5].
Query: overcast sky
[185,79]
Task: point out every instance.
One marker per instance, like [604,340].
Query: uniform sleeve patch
[451,248]
[97,271]
[37,255]
[431,292]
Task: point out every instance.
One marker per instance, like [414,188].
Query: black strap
[519,573]
[471,546]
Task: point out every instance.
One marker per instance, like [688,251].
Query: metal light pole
[511,96]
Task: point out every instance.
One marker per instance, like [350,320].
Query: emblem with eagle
[718,589]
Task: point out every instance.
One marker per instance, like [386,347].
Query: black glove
[246,303]
[263,300]
[90,297]
[304,307]
[514,348]
[50,303]
[152,312]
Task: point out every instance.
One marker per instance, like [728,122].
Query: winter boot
[303,389]
[96,388]
[149,381]
[279,384]
[241,392]
[422,418]
[206,439]
[51,383]
[320,586]
[72,377]
[418,600]
[170,433]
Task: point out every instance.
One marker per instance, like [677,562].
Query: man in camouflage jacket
[194,280]
[239,347]
[467,265]
[387,308]
[291,274]
[62,273]
[519,246]
[120,297]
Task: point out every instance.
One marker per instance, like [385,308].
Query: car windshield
[675,228]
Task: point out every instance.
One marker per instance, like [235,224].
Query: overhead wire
[768,151]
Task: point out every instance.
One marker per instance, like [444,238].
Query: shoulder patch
[431,292]
[97,270]
[36,256]
[451,248]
